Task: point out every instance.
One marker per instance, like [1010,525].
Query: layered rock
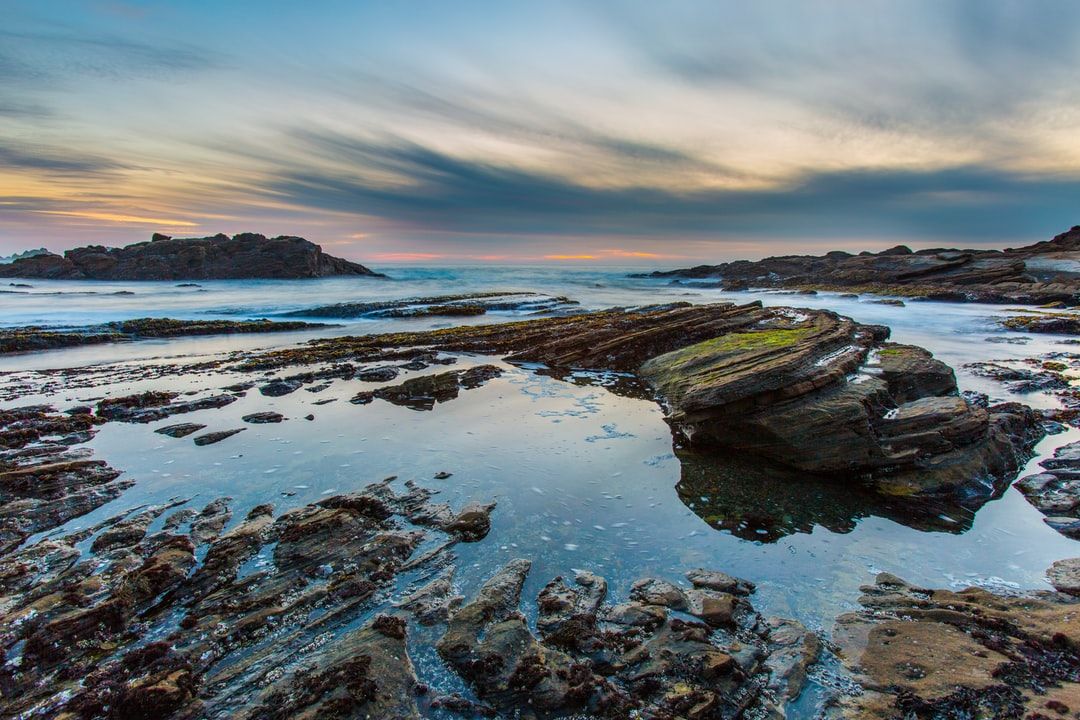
[919,652]
[45,480]
[1056,490]
[805,389]
[462,305]
[179,623]
[247,255]
[1025,275]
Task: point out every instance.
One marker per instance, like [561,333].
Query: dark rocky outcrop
[422,393]
[1056,490]
[44,479]
[32,338]
[288,640]
[805,389]
[633,659]
[156,405]
[923,653]
[247,255]
[1024,275]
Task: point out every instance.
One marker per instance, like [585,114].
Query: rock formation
[1056,490]
[1026,275]
[632,659]
[243,256]
[804,389]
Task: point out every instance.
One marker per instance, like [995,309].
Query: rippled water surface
[584,478]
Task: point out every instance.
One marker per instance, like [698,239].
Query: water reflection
[756,501]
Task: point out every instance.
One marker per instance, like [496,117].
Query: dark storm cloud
[23,156]
[441,192]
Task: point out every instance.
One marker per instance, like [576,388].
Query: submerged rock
[261,418]
[217,436]
[154,405]
[278,388]
[180,429]
[422,393]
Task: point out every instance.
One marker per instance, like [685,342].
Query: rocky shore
[1037,274]
[30,339]
[220,257]
[206,607]
[150,613]
[802,389]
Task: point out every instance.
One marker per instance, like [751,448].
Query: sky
[555,131]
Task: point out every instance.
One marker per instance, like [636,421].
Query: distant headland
[220,257]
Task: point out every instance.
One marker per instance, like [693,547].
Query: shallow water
[584,478]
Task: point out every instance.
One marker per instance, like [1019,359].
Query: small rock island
[246,256]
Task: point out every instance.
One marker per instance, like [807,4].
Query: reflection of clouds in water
[657,460]
[610,433]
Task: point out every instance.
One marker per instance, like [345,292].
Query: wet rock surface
[156,405]
[229,643]
[989,276]
[424,392]
[1045,322]
[45,480]
[247,255]
[216,436]
[1056,490]
[928,653]
[636,659]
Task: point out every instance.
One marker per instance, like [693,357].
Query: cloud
[24,156]
[419,187]
[57,56]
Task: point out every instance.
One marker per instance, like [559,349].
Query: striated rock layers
[1055,491]
[805,389]
[243,256]
[1034,274]
[922,653]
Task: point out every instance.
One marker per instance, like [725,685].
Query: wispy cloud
[618,130]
